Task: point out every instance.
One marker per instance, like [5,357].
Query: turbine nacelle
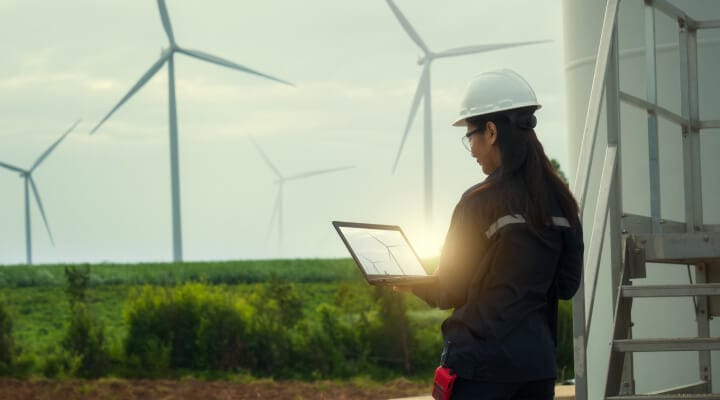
[426,58]
[168,51]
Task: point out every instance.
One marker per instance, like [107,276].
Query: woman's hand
[402,289]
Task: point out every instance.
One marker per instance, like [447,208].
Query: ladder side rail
[652,119]
[691,137]
[597,237]
[612,110]
[687,43]
[621,327]
[582,176]
[592,117]
[703,326]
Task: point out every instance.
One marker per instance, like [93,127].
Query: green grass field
[225,272]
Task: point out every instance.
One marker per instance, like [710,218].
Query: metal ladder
[636,240]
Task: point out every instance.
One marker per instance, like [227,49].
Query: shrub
[276,309]
[85,340]
[330,344]
[77,280]
[7,345]
[84,349]
[189,327]
[391,339]
[565,360]
[220,335]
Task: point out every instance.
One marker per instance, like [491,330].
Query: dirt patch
[119,389]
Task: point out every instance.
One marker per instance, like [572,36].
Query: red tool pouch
[443,385]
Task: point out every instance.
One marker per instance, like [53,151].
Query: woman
[514,247]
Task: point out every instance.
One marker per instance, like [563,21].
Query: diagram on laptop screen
[383,252]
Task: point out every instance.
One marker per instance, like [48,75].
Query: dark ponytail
[527,183]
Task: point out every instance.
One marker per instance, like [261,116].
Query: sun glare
[427,242]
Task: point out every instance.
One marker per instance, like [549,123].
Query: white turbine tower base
[168,56]
[280,181]
[29,184]
[423,92]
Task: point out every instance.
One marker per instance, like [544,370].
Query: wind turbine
[374,264]
[391,255]
[423,92]
[167,55]
[280,181]
[26,174]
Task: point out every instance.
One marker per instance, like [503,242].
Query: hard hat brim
[462,121]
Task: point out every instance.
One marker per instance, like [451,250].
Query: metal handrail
[587,145]
[582,176]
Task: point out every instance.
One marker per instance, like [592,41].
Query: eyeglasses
[466,138]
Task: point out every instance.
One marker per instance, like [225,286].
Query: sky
[107,195]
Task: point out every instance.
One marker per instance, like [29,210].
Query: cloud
[39,80]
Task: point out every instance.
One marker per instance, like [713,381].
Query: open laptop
[383,253]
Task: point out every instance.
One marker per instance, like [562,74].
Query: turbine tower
[280,181]
[423,93]
[168,56]
[26,174]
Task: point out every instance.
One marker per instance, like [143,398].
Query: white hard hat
[494,91]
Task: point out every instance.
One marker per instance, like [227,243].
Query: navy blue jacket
[503,280]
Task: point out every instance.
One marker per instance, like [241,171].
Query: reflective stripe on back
[506,220]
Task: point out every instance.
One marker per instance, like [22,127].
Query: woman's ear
[491,132]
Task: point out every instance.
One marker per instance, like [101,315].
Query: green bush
[391,340]
[220,335]
[84,349]
[85,340]
[276,310]
[7,345]
[189,327]
[331,344]
[565,360]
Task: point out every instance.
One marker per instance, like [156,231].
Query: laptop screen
[380,250]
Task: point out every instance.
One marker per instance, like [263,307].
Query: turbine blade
[166,21]
[12,167]
[140,83]
[266,158]
[378,240]
[319,172]
[42,210]
[408,28]
[419,92]
[227,63]
[54,145]
[460,51]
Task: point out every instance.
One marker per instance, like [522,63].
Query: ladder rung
[704,396]
[704,289]
[660,345]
